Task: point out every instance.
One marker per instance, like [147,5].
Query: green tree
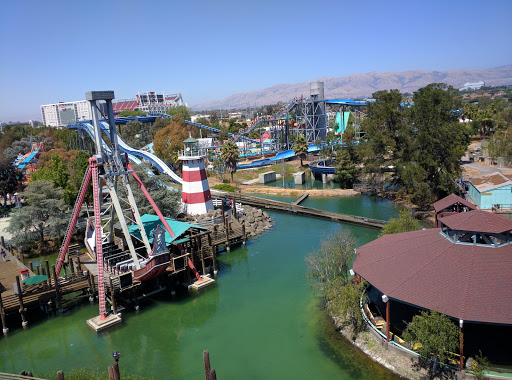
[436,333]
[500,144]
[169,140]
[167,199]
[331,262]
[18,147]
[183,110]
[346,170]
[43,214]
[229,154]
[404,223]
[344,302]
[128,113]
[440,139]
[11,179]
[55,171]
[300,148]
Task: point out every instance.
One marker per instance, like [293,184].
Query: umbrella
[35,279]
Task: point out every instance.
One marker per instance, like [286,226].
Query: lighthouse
[195,193]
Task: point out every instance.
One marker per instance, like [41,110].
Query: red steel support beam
[74,219]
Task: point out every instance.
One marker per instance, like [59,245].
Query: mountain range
[364,85]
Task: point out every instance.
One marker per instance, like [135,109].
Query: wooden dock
[301,198]
[301,210]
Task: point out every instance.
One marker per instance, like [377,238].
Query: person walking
[3,256]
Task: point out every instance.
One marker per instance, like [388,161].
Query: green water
[289,183]
[260,321]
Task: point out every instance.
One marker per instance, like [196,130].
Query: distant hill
[364,85]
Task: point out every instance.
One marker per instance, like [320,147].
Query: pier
[300,210]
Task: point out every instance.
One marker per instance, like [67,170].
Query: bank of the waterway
[261,320]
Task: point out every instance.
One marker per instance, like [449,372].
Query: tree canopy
[11,179]
[300,147]
[43,215]
[404,223]
[437,334]
[422,143]
[66,169]
[229,154]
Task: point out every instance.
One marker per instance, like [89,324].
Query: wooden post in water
[57,290]
[243,231]
[200,249]
[113,372]
[5,329]
[24,321]
[213,375]
[31,266]
[213,253]
[206,361]
[38,269]
[112,296]
[60,375]
[228,248]
[49,280]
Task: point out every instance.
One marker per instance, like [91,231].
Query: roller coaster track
[153,159]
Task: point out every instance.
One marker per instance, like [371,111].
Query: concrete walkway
[4,222]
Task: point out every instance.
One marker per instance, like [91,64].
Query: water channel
[260,321]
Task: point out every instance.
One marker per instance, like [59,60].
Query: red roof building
[452,204]
[462,269]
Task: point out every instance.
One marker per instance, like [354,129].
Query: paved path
[485,169]
[4,222]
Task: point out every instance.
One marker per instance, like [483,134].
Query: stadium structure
[64,113]
[149,102]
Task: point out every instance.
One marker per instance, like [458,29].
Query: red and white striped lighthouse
[195,193]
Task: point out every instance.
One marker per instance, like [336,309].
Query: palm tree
[300,147]
[229,154]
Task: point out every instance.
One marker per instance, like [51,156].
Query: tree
[435,332]
[55,170]
[183,110]
[17,147]
[344,302]
[11,179]
[346,170]
[440,139]
[300,147]
[44,212]
[166,198]
[169,140]
[128,113]
[404,223]
[330,264]
[500,144]
[229,154]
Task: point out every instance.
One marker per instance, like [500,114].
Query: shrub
[224,187]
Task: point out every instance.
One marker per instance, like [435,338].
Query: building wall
[62,114]
[485,201]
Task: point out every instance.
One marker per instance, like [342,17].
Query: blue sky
[57,50]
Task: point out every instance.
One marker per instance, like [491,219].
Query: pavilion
[462,269]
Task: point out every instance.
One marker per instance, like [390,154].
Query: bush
[224,187]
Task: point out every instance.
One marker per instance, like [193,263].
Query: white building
[473,86]
[64,113]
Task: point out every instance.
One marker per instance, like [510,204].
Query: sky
[53,51]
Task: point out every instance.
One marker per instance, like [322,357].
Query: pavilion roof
[425,269]
[451,200]
[478,221]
